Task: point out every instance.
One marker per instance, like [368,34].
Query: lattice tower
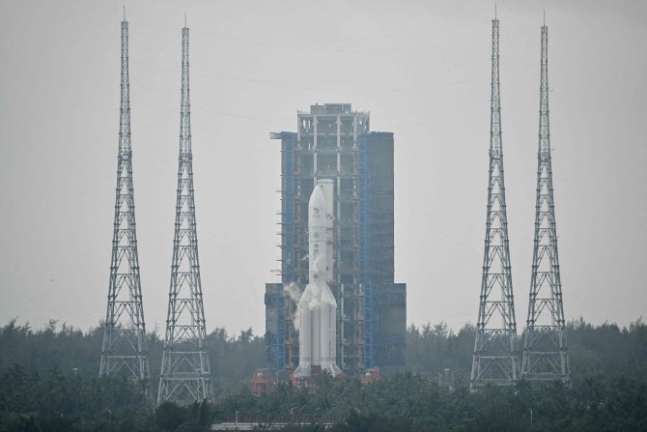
[496,330]
[186,373]
[124,350]
[545,353]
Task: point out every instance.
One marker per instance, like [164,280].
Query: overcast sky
[422,68]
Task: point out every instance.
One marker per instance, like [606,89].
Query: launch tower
[124,350]
[495,358]
[334,142]
[545,353]
[186,373]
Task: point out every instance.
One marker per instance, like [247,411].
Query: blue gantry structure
[334,142]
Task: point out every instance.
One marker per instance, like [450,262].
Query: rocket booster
[317,305]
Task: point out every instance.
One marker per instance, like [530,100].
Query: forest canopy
[49,381]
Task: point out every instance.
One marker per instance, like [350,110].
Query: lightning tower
[186,374]
[124,350]
[496,330]
[545,353]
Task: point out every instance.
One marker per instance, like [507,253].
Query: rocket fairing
[317,305]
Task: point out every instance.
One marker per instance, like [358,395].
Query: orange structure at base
[371,375]
[263,381]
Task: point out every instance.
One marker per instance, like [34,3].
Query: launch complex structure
[545,352]
[337,307]
[334,143]
[186,374]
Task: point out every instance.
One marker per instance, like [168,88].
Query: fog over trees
[49,382]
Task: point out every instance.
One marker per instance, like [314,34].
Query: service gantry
[186,373]
[335,142]
[495,359]
[124,350]
[545,353]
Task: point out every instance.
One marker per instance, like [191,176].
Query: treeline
[402,402]
[233,359]
[49,382]
[604,350]
[408,402]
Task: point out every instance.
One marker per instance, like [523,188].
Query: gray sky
[422,68]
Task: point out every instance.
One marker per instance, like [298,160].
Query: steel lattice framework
[186,374]
[124,350]
[545,354]
[494,348]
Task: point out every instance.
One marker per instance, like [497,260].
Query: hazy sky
[422,68]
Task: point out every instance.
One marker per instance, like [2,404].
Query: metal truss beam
[545,353]
[124,350]
[186,373]
[495,359]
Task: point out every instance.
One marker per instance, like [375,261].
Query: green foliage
[431,350]
[39,390]
[233,360]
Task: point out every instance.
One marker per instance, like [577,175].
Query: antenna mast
[186,373]
[494,354]
[124,350]
[545,353]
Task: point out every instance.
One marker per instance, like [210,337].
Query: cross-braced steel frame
[545,353]
[124,350]
[495,359]
[186,373]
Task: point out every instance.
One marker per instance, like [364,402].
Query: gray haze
[423,70]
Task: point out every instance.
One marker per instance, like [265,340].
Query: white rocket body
[327,188]
[317,306]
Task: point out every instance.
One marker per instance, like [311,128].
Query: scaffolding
[365,193]
[275,318]
[288,260]
[349,321]
[384,324]
[370,344]
[334,142]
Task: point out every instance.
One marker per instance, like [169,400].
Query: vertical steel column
[288,255]
[545,353]
[124,350]
[186,373]
[365,195]
[364,257]
[494,348]
[288,211]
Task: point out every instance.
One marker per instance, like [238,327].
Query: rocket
[317,306]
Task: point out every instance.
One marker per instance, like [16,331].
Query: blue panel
[275,337]
[364,250]
[364,194]
[370,324]
[280,334]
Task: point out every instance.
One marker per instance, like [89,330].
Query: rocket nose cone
[317,204]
